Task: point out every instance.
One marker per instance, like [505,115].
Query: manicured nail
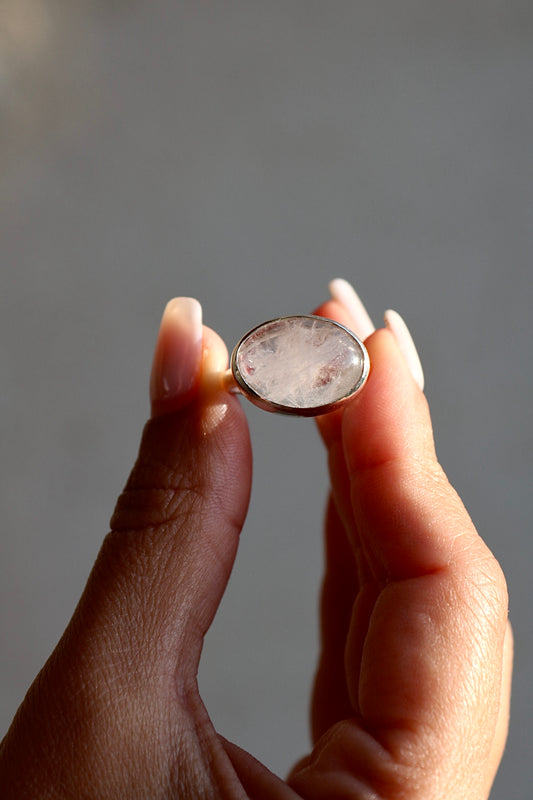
[396,324]
[344,293]
[178,355]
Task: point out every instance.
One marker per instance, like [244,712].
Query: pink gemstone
[301,365]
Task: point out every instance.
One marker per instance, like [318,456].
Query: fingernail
[344,293]
[178,354]
[396,324]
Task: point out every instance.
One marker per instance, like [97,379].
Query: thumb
[104,709]
[176,525]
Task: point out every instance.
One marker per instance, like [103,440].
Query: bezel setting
[268,404]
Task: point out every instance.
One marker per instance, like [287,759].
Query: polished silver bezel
[312,411]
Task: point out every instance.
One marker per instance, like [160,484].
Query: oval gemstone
[300,364]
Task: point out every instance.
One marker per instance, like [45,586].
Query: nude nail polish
[343,292]
[396,324]
[178,352]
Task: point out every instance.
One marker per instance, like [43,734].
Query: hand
[412,691]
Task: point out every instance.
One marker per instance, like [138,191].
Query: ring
[302,365]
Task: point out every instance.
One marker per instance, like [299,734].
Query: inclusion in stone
[300,365]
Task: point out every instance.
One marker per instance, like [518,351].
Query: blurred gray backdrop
[246,153]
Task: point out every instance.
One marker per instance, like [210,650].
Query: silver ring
[302,365]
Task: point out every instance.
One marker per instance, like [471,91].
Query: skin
[411,698]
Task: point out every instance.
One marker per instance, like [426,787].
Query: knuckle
[157,495]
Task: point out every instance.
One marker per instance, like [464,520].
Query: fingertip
[214,355]
[397,325]
[389,419]
[329,425]
[177,356]
[343,292]
[189,358]
[213,389]
[332,309]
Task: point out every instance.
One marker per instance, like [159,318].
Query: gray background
[245,153]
